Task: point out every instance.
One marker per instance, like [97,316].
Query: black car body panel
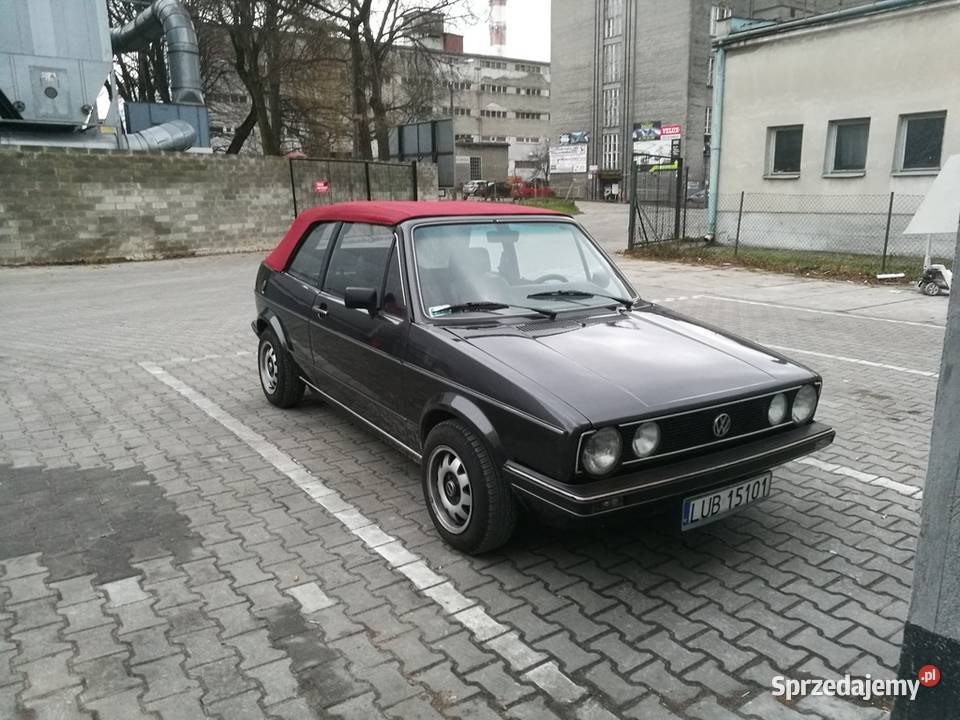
[534,387]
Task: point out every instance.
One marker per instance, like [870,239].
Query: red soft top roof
[387,213]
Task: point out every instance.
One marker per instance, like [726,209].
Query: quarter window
[783,150]
[307,264]
[847,144]
[921,141]
[359,259]
[393,298]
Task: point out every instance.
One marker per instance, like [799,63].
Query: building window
[529,116]
[847,145]
[530,91]
[611,107]
[526,164]
[718,13]
[493,64]
[463,139]
[920,141]
[612,18]
[461,85]
[611,151]
[708,121]
[783,150]
[611,62]
[520,67]
[496,89]
[710,64]
[493,113]
[462,111]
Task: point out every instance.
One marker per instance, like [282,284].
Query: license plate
[702,509]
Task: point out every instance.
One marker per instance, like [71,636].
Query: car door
[361,356]
[293,293]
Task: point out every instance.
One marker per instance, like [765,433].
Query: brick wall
[63,205]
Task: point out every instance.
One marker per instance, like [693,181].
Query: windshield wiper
[560,294]
[483,306]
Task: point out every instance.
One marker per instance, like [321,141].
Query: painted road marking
[867,478]
[856,361]
[458,607]
[834,313]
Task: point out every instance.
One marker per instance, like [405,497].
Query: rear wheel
[279,376]
[931,288]
[471,506]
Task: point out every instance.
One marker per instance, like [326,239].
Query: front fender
[468,412]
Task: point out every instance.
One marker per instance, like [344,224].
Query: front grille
[690,431]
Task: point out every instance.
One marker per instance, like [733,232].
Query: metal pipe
[716,130]
[173,135]
[167,19]
[879,6]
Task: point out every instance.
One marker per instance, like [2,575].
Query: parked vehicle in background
[539,188]
[495,191]
[502,349]
[471,186]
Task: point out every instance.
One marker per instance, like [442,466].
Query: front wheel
[279,377]
[471,506]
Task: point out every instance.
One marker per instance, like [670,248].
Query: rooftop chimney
[498,26]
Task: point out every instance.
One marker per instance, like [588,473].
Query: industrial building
[623,69]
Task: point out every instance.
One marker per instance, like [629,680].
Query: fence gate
[656,199]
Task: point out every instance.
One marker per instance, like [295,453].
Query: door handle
[320,309]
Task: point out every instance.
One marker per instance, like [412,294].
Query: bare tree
[384,36]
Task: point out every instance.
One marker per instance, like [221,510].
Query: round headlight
[646,439]
[804,404]
[601,451]
[777,412]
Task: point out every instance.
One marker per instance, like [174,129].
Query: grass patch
[846,266]
[568,207]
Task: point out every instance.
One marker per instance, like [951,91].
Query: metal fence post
[293,189]
[633,205]
[366,176]
[886,236]
[676,204]
[686,189]
[736,243]
[416,177]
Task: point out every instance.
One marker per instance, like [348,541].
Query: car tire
[279,374]
[931,288]
[456,467]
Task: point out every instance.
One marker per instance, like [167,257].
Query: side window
[308,262]
[359,259]
[393,299]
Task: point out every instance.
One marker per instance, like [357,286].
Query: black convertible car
[502,349]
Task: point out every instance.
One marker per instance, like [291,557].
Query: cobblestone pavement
[171,546]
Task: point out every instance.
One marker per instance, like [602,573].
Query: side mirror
[359,298]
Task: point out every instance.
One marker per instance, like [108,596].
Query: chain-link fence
[794,225]
[323,182]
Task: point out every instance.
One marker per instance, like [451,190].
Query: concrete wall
[61,205]
[878,68]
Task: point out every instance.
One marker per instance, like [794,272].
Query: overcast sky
[528,29]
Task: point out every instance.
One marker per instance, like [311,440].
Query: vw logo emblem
[721,425]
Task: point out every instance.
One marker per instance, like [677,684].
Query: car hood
[635,363]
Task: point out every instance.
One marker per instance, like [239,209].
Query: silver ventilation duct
[173,135]
[168,19]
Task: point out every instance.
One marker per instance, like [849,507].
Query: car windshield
[509,268]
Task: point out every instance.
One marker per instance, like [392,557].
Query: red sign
[670,131]
[321,186]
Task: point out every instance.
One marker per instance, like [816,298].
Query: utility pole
[932,633]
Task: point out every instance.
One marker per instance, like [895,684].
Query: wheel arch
[268,318]
[453,406]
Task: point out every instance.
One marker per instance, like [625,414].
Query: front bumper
[684,477]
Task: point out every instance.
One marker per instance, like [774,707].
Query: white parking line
[458,607]
[835,313]
[855,361]
[867,478]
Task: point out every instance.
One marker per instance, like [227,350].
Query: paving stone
[120,706]
[220,679]
[27,587]
[21,566]
[571,656]
[255,648]
[183,706]
[137,615]
[38,643]
[85,615]
[277,681]
[444,685]
[310,597]
[58,705]
[656,678]
[623,656]
[165,677]
[124,592]
[611,684]
[96,643]
[497,681]
[48,674]
[238,707]
[534,709]
[731,657]
[357,708]
[720,684]
[650,707]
